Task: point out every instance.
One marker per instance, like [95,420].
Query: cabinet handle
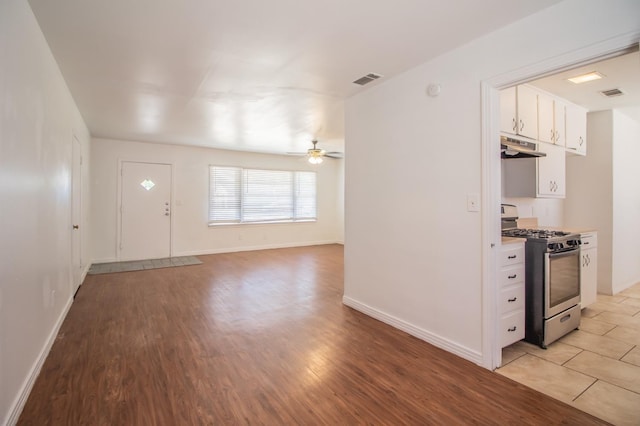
[581,141]
[512,329]
[512,300]
[512,276]
[513,256]
[521,125]
[515,125]
[585,244]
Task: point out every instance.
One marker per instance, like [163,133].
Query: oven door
[561,281]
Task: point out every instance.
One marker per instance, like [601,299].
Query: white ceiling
[622,72]
[247,74]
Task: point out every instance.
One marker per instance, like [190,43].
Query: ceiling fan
[316,155]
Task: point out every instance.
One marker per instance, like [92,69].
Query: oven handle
[564,253]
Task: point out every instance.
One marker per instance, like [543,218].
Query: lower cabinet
[511,294]
[588,268]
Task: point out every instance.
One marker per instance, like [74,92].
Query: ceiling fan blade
[334,155]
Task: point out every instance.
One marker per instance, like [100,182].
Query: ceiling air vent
[367,79]
[612,92]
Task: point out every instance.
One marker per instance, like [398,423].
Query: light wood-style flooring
[259,338]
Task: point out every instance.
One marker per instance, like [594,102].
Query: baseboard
[21,399]
[85,271]
[625,286]
[253,248]
[427,336]
[104,260]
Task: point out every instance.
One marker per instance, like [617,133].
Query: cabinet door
[546,131]
[589,268]
[508,110]
[559,122]
[527,109]
[576,129]
[551,172]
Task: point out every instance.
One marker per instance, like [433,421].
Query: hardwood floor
[259,338]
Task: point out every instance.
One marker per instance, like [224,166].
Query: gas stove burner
[533,233]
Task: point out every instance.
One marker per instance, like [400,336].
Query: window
[250,195]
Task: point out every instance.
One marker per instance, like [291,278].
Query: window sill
[275,222]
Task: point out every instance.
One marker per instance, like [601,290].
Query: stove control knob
[552,246]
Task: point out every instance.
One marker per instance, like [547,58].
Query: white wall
[340,204]
[626,202]
[37,121]
[589,202]
[604,194]
[190,233]
[413,254]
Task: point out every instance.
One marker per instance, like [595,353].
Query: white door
[145,224]
[76,213]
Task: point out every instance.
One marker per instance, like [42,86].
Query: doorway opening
[491,170]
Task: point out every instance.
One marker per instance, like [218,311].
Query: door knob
[76,226]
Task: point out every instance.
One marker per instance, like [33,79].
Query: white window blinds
[224,194]
[251,195]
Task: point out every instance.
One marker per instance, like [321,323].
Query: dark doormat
[141,265]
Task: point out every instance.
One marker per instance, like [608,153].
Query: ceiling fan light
[314,159]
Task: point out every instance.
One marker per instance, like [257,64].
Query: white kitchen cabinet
[519,111]
[551,172]
[511,293]
[559,122]
[588,268]
[551,119]
[546,129]
[542,177]
[576,129]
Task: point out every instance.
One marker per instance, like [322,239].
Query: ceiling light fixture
[583,78]
[315,156]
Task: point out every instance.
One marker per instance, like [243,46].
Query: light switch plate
[473,202]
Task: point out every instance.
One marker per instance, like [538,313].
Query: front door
[145,225]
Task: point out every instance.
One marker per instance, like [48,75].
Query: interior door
[145,225]
[76,213]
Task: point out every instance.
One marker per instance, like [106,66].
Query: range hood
[516,148]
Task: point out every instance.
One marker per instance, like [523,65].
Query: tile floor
[596,368]
[139,265]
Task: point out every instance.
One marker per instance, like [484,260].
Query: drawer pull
[512,276]
[511,329]
[512,256]
[512,299]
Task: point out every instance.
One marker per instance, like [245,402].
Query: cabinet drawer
[511,328]
[512,255]
[512,299]
[512,275]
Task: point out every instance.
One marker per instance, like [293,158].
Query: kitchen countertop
[512,240]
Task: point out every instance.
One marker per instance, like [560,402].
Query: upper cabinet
[535,114]
[551,119]
[576,129]
[519,111]
[542,177]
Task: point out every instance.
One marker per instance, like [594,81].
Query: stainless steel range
[552,280]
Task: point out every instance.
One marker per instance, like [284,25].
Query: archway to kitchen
[491,170]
